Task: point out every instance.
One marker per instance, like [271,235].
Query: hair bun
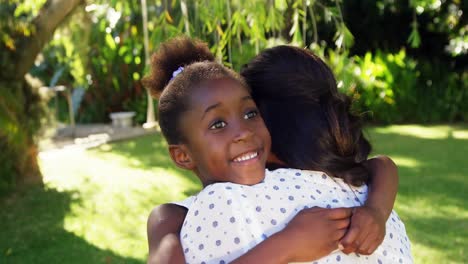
[171,55]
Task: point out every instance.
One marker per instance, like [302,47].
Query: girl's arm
[367,229]
[164,224]
[383,185]
[367,226]
[313,233]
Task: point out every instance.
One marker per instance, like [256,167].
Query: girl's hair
[174,92]
[310,122]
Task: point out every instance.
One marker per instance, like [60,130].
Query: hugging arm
[313,233]
[367,228]
[164,224]
[321,229]
[383,184]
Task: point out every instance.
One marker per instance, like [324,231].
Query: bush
[394,88]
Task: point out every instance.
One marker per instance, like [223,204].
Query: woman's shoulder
[293,171]
[296,172]
[307,175]
[319,178]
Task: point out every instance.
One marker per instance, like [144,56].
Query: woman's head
[207,115]
[310,122]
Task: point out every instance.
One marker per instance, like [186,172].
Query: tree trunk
[20,105]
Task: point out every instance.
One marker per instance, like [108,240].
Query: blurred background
[83,163]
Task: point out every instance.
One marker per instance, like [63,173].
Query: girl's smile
[249,156]
[225,135]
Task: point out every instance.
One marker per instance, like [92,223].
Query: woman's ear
[181,156]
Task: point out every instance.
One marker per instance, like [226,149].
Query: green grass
[94,204]
[433,168]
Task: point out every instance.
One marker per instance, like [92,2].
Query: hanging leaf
[8,41]
[343,37]
[220,30]
[168,17]
[348,36]
[295,26]
[281,5]
[110,42]
[414,38]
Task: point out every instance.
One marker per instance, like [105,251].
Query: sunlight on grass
[433,132]
[405,162]
[424,207]
[460,134]
[116,196]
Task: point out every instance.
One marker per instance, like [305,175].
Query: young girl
[213,129]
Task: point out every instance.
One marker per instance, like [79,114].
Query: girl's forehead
[224,89]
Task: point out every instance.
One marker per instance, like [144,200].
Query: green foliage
[447,18]
[102,48]
[18,24]
[139,105]
[394,88]
[116,62]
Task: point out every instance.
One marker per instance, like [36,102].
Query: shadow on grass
[445,234]
[433,188]
[32,224]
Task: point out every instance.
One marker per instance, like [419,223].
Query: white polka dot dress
[225,220]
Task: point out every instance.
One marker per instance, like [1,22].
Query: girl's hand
[366,232]
[314,233]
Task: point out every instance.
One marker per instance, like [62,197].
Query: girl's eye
[218,125]
[251,114]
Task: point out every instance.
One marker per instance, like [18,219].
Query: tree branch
[50,17]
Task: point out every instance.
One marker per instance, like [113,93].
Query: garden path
[85,136]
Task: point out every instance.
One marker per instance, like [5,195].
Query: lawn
[94,204]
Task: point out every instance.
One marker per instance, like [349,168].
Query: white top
[185,203]
[225,220]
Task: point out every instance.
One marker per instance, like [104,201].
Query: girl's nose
[243,132]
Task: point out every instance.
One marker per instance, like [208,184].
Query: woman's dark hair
[173,92]
[310,122]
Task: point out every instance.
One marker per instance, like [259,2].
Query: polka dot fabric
[225,220]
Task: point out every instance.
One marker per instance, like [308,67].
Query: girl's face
[225,136]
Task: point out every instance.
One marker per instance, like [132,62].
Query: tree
[23,35]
